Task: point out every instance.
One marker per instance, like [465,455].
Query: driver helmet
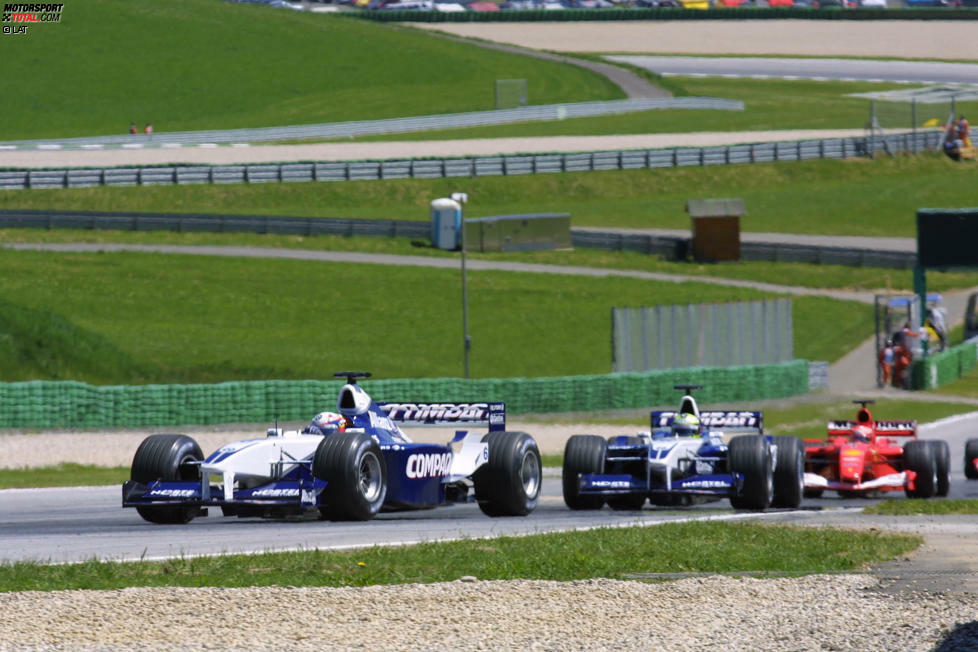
[686,425]
[861,433]
[326,423]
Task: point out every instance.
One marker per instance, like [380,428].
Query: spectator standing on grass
[964,131]
[148,130]
[901,362]
[132,128]
[886,361]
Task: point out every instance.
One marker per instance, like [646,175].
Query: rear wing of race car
[727,421]
[447,415]
[893,428]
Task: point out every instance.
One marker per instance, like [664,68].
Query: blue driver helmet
[686,425]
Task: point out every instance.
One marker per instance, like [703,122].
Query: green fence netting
[66,404]
[945,367]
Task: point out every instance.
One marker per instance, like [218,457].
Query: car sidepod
[416,474]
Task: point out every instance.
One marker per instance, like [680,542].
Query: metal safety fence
[713,335]
[829,148]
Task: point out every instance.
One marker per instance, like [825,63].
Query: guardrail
[343,130]
[191,222]
[829,148]
[678,248]
[669,247]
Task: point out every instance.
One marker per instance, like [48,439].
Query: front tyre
[942,460]
[583,454]
[970,455]
[356,476]
[918,456]
[170,458]
[508,484]
[789,472]
[750,455]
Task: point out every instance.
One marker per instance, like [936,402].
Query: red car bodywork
[848,465]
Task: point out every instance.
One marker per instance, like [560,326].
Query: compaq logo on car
[432,465]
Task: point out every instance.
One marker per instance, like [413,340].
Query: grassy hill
[210,64]
[172,318]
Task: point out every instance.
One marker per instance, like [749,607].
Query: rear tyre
[355,473]
[970,455]
[751,456]
[168,458]
[789,472]
[918,456]
[508,484]
[942,459]
[583,454]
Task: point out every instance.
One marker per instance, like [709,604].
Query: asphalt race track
[76,524]
[923,72]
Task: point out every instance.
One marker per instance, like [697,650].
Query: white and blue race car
[672,466]
[348,470]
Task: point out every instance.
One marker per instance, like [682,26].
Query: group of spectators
[957,137]
[899,349]
[133,129]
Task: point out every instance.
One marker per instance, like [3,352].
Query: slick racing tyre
[970,454]
[167,457]
[751,456]
[355,473]
[918,456]
[789,472]
[942,459]
[508,484]
[583,454]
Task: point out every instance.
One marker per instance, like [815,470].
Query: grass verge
[905,507]
[608,553]
[820,197]
[67,474]
[780,273]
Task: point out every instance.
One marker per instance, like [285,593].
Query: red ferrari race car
[865,457]
[971,459]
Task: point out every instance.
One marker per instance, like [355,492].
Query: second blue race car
[686,458]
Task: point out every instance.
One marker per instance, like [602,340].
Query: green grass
[769,105]
[607,553]
[174,318]
[920,506]
[66,474]
[851,197]
[204,64]
[781,273]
